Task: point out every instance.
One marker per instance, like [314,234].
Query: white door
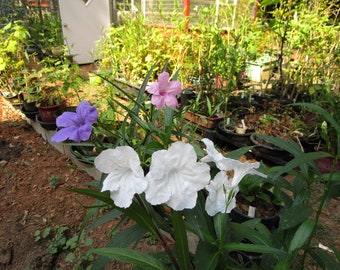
[83,23]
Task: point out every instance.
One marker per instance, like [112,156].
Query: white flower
[227,164]
[125,175]
[221,198]
[223,189]
[175,176]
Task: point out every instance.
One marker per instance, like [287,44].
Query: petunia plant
[173,185]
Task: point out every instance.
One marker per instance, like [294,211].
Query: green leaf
[328,117]
[141,217]
[251,234]
[97,194]
[137,258]
[301,235]
[255,248]
[324,258]
[303,159]
[123,239]
[206,256]
[221,225]
[294,216]
[181,241]
[70,257]
[236,154]
[282,265]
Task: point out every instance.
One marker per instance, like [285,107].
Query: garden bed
[30,203]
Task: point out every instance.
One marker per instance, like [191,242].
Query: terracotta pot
[325,164]
[47,113]
[202,120]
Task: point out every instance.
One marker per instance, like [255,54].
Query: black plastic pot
[45,125]
[229,136]
[29,114]
[187,95]
[269,152]
[271,222]
[83,154]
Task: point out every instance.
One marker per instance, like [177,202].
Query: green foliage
[59,239]
[54,180]
[13,57]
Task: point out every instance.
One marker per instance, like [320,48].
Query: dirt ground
[34,183]
[32,199]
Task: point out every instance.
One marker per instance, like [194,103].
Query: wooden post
[186,10]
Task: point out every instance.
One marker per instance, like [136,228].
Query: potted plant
[59,82]
[203,112]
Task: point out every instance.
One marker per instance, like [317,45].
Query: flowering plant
[161,179]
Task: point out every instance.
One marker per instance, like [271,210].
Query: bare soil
[31,200]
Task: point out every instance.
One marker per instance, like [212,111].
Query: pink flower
[164,92]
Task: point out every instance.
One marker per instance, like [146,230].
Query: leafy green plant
[59,240]
[12,54]
[54,181]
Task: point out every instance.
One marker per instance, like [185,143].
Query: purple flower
[164,92]
[76,126]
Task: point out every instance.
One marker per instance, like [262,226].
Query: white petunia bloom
[175,177]
[125,175]
[221,198]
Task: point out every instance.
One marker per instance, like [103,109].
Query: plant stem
[320,208]
[159,235]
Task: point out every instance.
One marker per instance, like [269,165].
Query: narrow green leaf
[139,214]
[93,193]
[282,265]
[255,248]
[294,216]
[206,256]
[301,235]
[123,239]
[324,259]
[251,234]
[137,258]
[221,222]
[303,159]
[328,117]
[181,241]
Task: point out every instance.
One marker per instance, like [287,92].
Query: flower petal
[125,175]
[222,196]
[175,177]
[64,134]
[67,119]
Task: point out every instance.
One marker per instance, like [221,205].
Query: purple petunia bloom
[164,92]
[76,126]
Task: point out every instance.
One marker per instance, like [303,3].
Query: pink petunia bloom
[164,92]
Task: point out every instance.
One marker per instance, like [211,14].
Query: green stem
[159,234]
[320,209]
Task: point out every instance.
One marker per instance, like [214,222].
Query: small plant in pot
[257,199]
[204,111]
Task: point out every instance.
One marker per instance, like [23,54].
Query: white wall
[83,25]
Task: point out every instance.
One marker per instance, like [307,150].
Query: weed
[54,180]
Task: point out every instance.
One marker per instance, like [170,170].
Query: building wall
[83,23]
